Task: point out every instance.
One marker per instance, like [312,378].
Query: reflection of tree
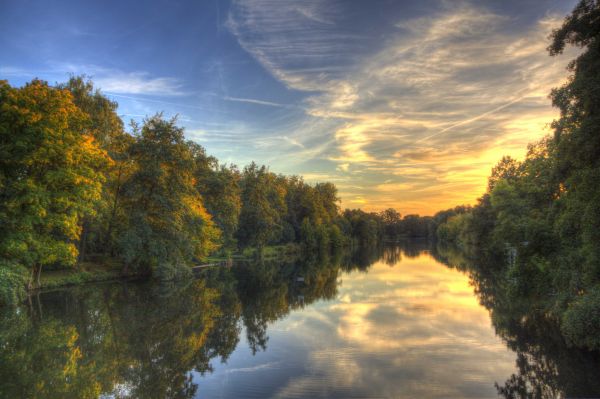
[362,257]
[392,255]
[125,340]
[142,340]
[268,291]
[546,366]
[415,248]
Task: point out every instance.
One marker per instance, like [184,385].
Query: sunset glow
[408,107]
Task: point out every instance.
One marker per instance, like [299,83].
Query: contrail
[254,101]
[473,119]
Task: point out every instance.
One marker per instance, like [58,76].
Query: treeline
[75,185]
[543,214]
[390,225]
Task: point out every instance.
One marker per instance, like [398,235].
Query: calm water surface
[388,324]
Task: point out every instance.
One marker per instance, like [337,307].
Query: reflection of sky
[412,330]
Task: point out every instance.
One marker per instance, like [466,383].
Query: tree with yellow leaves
[49,176]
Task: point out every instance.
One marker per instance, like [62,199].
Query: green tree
[107,128]
[219,186]
[263,207]
[49,179]
[167,226]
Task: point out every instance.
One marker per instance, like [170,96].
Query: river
[389,323]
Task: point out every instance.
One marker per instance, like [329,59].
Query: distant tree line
[390,225]
[542,215]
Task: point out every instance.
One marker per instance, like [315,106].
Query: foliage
[263,207]
[545,210]
[13,280]
[49,179]
[581,321]
[167,224]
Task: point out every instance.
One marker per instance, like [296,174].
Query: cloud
[300,45]
[255,101]
[138,83]
[432,106]
[109,80]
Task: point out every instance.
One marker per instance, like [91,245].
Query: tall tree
[49,179]
[107,128]
[168,225]
[219,186]
[263,207]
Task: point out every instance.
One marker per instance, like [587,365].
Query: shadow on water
[147,340]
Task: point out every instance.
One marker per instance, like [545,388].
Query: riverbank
[13,282]
[104,270]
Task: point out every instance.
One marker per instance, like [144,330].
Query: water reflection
[546,366]
[391,322]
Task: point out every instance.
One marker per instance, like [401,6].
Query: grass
[86,272]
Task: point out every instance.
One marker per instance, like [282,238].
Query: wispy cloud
[303,46]
[129,82]
[109,80]
[431,108]
[255,101]
[139,83]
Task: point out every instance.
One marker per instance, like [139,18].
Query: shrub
[581,322]
[13,279]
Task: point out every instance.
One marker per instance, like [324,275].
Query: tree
[391,220]
[507,169]
[219,186]
[263,206]
[107,129]
[49,179]
[168,225]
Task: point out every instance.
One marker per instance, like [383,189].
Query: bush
[13,279]
[581,322]
[322,235]
[336,237]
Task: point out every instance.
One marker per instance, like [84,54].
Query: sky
[404,104]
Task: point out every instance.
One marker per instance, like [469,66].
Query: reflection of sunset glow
[409,330]
[437,296]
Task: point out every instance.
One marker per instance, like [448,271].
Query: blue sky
[399,103]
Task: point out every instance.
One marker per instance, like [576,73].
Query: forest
[78,188]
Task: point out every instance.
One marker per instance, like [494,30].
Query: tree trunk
[113,212]
[39,274]
[31,278]
[82,242]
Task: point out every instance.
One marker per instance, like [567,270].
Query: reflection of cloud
[252,369]
[434,105]
[414,330]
